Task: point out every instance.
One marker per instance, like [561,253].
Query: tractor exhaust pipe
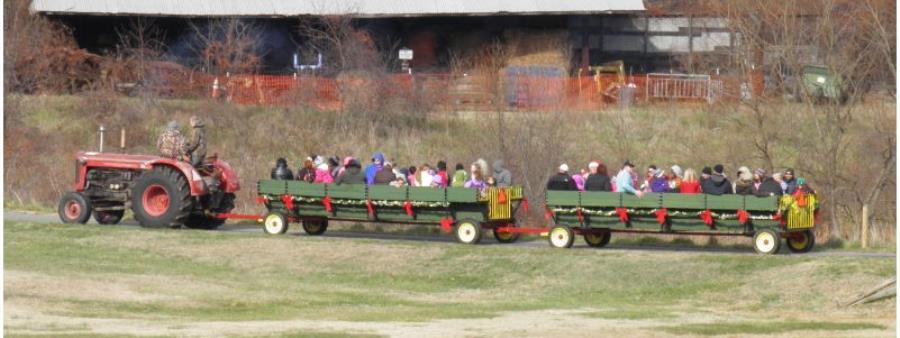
[102,131]
[122,140]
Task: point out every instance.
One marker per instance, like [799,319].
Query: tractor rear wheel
[315,227]
[74,207]
[161,198]
[205,222]
[109,216]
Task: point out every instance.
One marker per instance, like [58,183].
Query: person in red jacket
[442,172]
[690,184]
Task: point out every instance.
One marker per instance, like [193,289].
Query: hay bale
[527,47]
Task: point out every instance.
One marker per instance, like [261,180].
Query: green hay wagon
[464,211]
[595,215]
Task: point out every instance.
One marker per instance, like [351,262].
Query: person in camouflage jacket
[171,142]
[195,148]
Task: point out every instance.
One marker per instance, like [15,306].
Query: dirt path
[250,228]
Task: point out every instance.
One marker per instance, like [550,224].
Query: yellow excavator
[609,88]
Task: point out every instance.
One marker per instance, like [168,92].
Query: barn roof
[356,8]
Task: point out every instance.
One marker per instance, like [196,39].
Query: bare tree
[776,40]
[346,47]
[227,45]
[140,41]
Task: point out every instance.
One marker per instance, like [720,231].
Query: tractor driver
[195,148]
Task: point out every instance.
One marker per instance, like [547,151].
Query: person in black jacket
[717,184]
[769,187]
[598,180]
[352,174]
[562,180]
[386,175]
[281,170]
[307,172]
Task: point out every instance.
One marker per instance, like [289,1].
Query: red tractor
[161,192]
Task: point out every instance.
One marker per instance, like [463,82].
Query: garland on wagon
[653,212]
[354,202]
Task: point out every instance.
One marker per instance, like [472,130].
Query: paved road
[251,227]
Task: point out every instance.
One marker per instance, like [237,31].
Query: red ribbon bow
[661,215]
[743,216]
[327,202]
[260,200]
[706,216]
[525,204]
[408,206]
[547,213]
[447,224]
[623,214]
[580,216]
[288,202]
[370,207]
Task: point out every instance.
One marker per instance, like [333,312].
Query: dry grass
[44,131]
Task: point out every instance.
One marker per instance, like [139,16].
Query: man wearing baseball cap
[562,180]
[624,182]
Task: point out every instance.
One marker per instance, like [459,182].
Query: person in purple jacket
[477,178]
[659,183]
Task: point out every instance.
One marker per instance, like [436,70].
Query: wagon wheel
[468,231]
[275,223]
[766,242]
[561,237]
[595,240]
[506,237]
[801,241]
[316,227]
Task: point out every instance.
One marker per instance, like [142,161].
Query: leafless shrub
[41,56]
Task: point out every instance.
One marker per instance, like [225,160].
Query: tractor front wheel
[74,207]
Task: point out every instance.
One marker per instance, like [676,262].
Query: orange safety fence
[446,92]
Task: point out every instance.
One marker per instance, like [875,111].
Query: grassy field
[64,280]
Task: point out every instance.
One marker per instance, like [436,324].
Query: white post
[122,140]
[864,233]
